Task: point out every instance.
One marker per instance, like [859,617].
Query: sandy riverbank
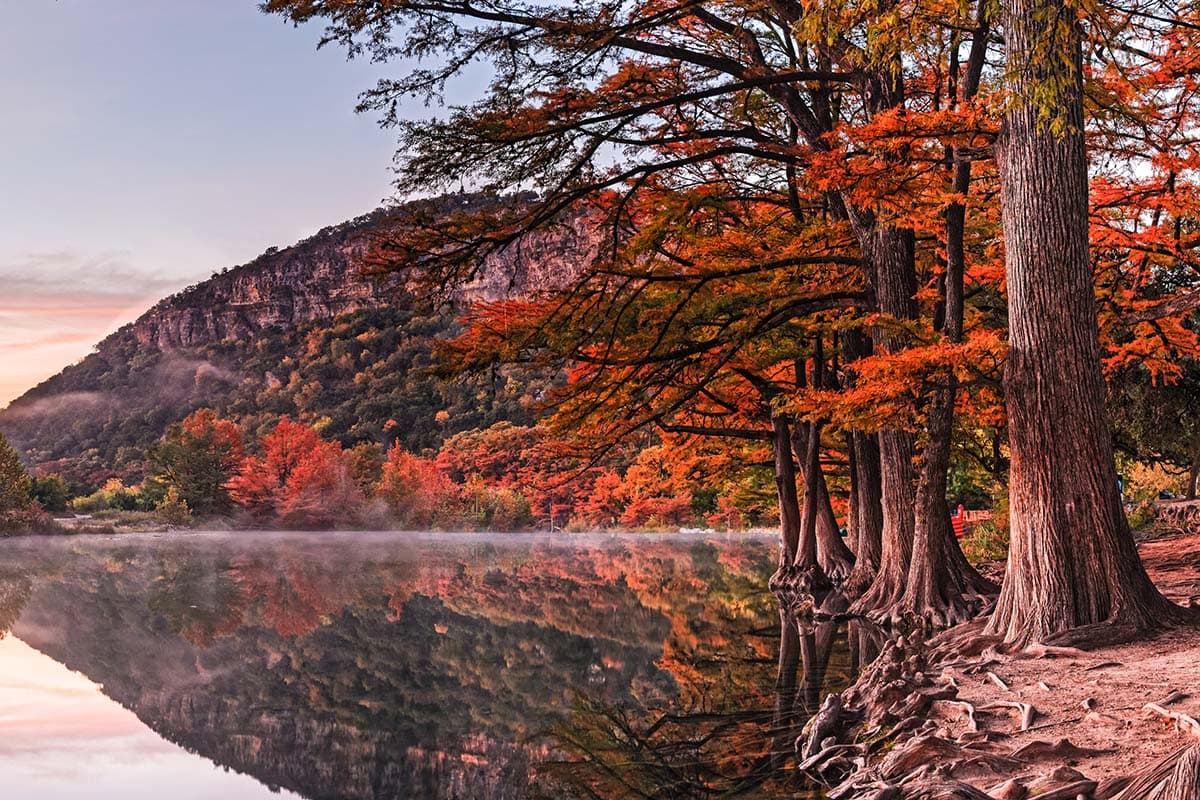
[993,726]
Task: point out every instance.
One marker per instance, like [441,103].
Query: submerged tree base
[801,590]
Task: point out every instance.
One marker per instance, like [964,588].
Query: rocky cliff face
[323,277]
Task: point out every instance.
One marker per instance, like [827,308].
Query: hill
[301,331]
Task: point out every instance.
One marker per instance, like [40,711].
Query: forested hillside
[301,331]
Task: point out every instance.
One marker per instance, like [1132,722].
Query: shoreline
[1050,723]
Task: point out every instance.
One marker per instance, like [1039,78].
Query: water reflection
[365,666]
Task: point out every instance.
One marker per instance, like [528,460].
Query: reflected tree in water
[742,747]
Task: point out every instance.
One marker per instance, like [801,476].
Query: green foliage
[15,485]
[51,492]
[196,459]
[173,508]
[1141,516]
[114,495]
[989,540]
[1157,421]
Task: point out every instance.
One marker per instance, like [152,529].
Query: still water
[253,665]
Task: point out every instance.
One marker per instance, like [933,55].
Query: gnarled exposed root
[1182,722]
[800,590]
[1184,783]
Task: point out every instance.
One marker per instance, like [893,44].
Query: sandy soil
[1097,700]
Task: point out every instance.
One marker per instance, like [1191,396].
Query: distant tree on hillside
[51,492]
[197,458]
[16,486]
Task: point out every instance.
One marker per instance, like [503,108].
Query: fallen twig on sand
[1027,711]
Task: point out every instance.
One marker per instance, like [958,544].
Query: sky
[146,144]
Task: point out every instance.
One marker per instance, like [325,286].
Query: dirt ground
[1097,700]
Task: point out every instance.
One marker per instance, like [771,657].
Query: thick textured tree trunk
[1072,561]
[833,554]
[806,554]
[942,587]
[890,252]
[866,507]
[835,558]
[867,512]
[1194,479]
[799,583]
[785,486]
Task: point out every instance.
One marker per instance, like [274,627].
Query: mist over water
[357,665]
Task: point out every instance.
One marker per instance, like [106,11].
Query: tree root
[1182,722]
[1038,750]
[837,567]
[820,727]
[906,711]
[1146,784]
[996,679]
[1028,712]
[800,589]
[1038,650]
[939,615]
[967,708]
[1184,783]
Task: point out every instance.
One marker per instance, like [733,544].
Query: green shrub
[989,540]
[173,509]
[1141,516]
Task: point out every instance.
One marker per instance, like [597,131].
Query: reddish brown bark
[785,487]
[890,252]
[942,587]
[1072,562]
[866,512]
[834,557]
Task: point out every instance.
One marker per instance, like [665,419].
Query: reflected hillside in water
[364,666]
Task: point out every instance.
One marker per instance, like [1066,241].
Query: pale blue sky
[147,143]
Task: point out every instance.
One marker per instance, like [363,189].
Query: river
[357,665]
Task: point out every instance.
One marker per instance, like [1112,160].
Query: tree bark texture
[867,511]
[942,587]
[1072,561]
[785,486]
[835,558]
[890,252]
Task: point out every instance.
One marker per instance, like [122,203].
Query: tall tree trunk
[890,251]
[1194,478]
[867,508]
[785,486]
[806,554]
[835,558]
[1072,562]
[942,587]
